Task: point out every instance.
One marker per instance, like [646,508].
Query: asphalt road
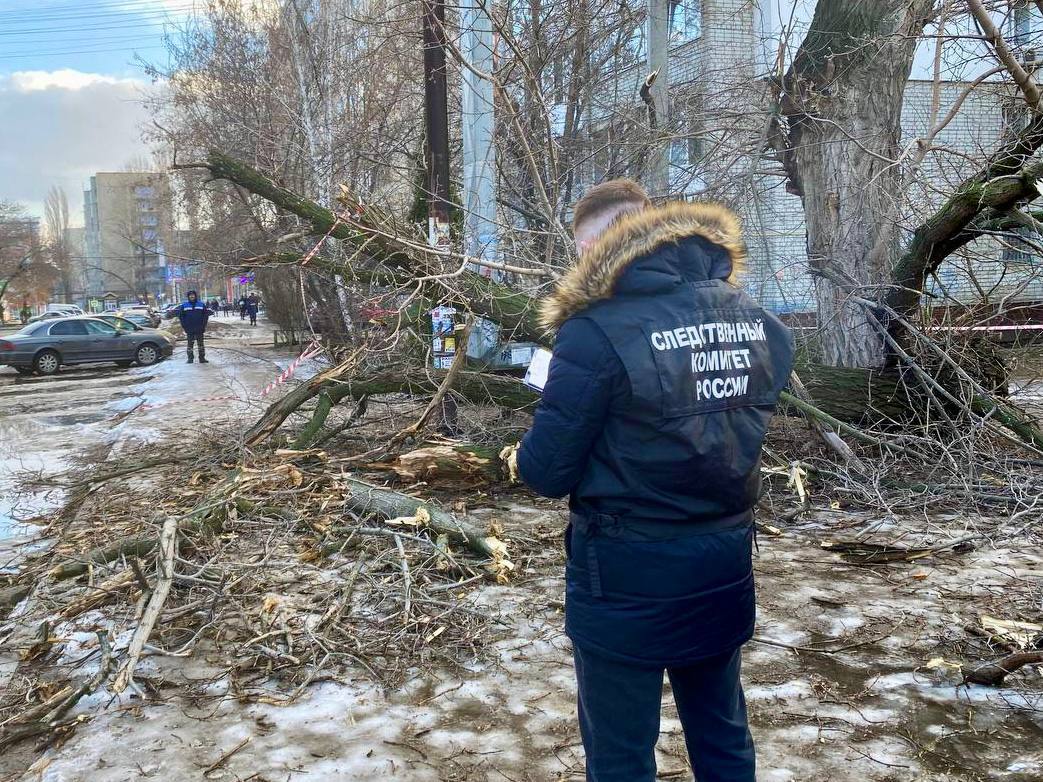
[51,424]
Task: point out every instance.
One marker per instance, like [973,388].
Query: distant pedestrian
[251,308]
[242,308]
[194,315]
[25,314]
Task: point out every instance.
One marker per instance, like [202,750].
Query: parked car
[142,310]
[51,316]
[65,309]
[119,322]
[138,318]
[46,346]
[129,323]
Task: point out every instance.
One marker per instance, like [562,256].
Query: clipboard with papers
[539,366]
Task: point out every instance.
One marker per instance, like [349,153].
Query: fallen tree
[378,244]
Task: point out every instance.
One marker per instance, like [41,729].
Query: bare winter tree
[56,232]
[26,276]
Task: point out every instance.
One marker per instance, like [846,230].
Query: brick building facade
[718,61]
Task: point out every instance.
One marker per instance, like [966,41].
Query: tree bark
[994,673]
[843,101]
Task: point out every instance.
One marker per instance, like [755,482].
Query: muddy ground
[850,677]
[872,711]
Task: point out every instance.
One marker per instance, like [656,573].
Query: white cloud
[64,79]
[60,127]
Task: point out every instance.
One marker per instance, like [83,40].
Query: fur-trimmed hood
[635,236]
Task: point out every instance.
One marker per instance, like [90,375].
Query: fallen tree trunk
[475,387]
[450,465]
[279,410]
[851,395]
[513,310]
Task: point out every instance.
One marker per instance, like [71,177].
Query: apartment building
[128,226]
[720,54]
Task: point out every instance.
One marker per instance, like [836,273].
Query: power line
[32,16]
[64,43]
[80,51]
[47,31]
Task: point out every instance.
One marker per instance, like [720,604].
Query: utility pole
[436,115]
[479,184]
[658,55]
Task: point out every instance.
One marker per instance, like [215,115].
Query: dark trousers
[619,709]
[198,340]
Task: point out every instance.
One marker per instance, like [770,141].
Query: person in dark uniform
[252,305]
[194,315]
[663,379]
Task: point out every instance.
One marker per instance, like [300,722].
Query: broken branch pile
[285,568]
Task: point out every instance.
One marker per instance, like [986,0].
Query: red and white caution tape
[313,350]
[314,250]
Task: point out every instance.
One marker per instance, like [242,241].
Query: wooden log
[369,500]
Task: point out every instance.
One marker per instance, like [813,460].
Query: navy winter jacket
[193,316]
[663,380]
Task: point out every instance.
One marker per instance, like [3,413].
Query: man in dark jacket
[252,306]
[194,315]
[663,379]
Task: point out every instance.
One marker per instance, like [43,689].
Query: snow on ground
[870,712]
[48,424]
[873,711]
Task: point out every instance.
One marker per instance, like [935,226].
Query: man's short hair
[608,195]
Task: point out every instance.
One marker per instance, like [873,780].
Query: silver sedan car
[44,347]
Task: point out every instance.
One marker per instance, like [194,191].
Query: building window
[1016,250]
[686,20]
[1025,25]
[144,191]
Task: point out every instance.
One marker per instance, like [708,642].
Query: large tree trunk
[843,102]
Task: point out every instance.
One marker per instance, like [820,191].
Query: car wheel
[124,364]
[147,354]
[24,370]
[47,362]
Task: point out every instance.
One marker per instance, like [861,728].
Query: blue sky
[71,90]
[93,36]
